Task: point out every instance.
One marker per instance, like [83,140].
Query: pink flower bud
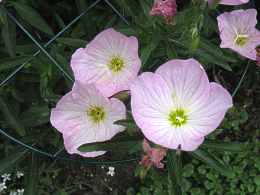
[153,156]
[165,8]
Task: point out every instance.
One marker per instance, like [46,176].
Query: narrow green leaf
[72,42]
[35,116]
[120,141]
[11,118]
[10,161]
[8,32]
[9,63]
[225,146]
[213,162]
[148,49]
[174,172]
[32,179]
[31,16]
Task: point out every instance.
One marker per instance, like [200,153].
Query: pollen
[96,114]
[116,64]
[241,40]
[178,118]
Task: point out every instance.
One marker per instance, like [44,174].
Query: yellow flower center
[241,40]
[116,64]
[96,114]
[178,118]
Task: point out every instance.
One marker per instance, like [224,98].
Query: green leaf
[148,49]
[72,42]
[225,146]
[32,17]
[9,63]
[32,179]
[213,162]
[35,116]
[11,118]
[174,172]
[8,33]
[122,142]
[10,161]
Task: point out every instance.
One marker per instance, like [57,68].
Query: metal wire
[48,43]
[69,77]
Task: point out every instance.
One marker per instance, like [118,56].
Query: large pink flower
[85,116]
[238,32]
[177,106]
[229,2]
[110,61]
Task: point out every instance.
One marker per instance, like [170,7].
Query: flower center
[241,40]
[178,117]
[96,114]
[116,64]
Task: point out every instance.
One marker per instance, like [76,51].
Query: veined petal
[208,117]
[110,61]
[188,82]
[85,116]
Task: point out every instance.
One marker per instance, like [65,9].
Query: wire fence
[43,49]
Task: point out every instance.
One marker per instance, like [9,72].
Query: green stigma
[96,114]
[116,64]
[241,40]
[178,118]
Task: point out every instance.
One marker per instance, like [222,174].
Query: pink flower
[238,32]
[165,8]
[110,61]
[84,116]
[177,106]
[153,156]
[228,2]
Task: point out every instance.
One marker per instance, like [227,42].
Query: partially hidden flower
[111,171]
[85,116]
[258,56]
[6,177]
[238,32]
[3,186]
[177,106]
[164,8]
[153,156]
[110,61]
[228,2]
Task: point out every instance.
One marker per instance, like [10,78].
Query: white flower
[13,193]
[111,171]
[2,187]
[20,191]
[6,177]
[19,174]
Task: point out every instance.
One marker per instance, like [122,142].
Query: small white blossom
[6,177]
[111,171]
[19,174]
[20,191]
[13,193]
[2,187]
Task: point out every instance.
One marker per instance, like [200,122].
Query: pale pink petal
[209,116]
[71,119]
[188,81]
[151,103]
[239,22]
[90,65]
